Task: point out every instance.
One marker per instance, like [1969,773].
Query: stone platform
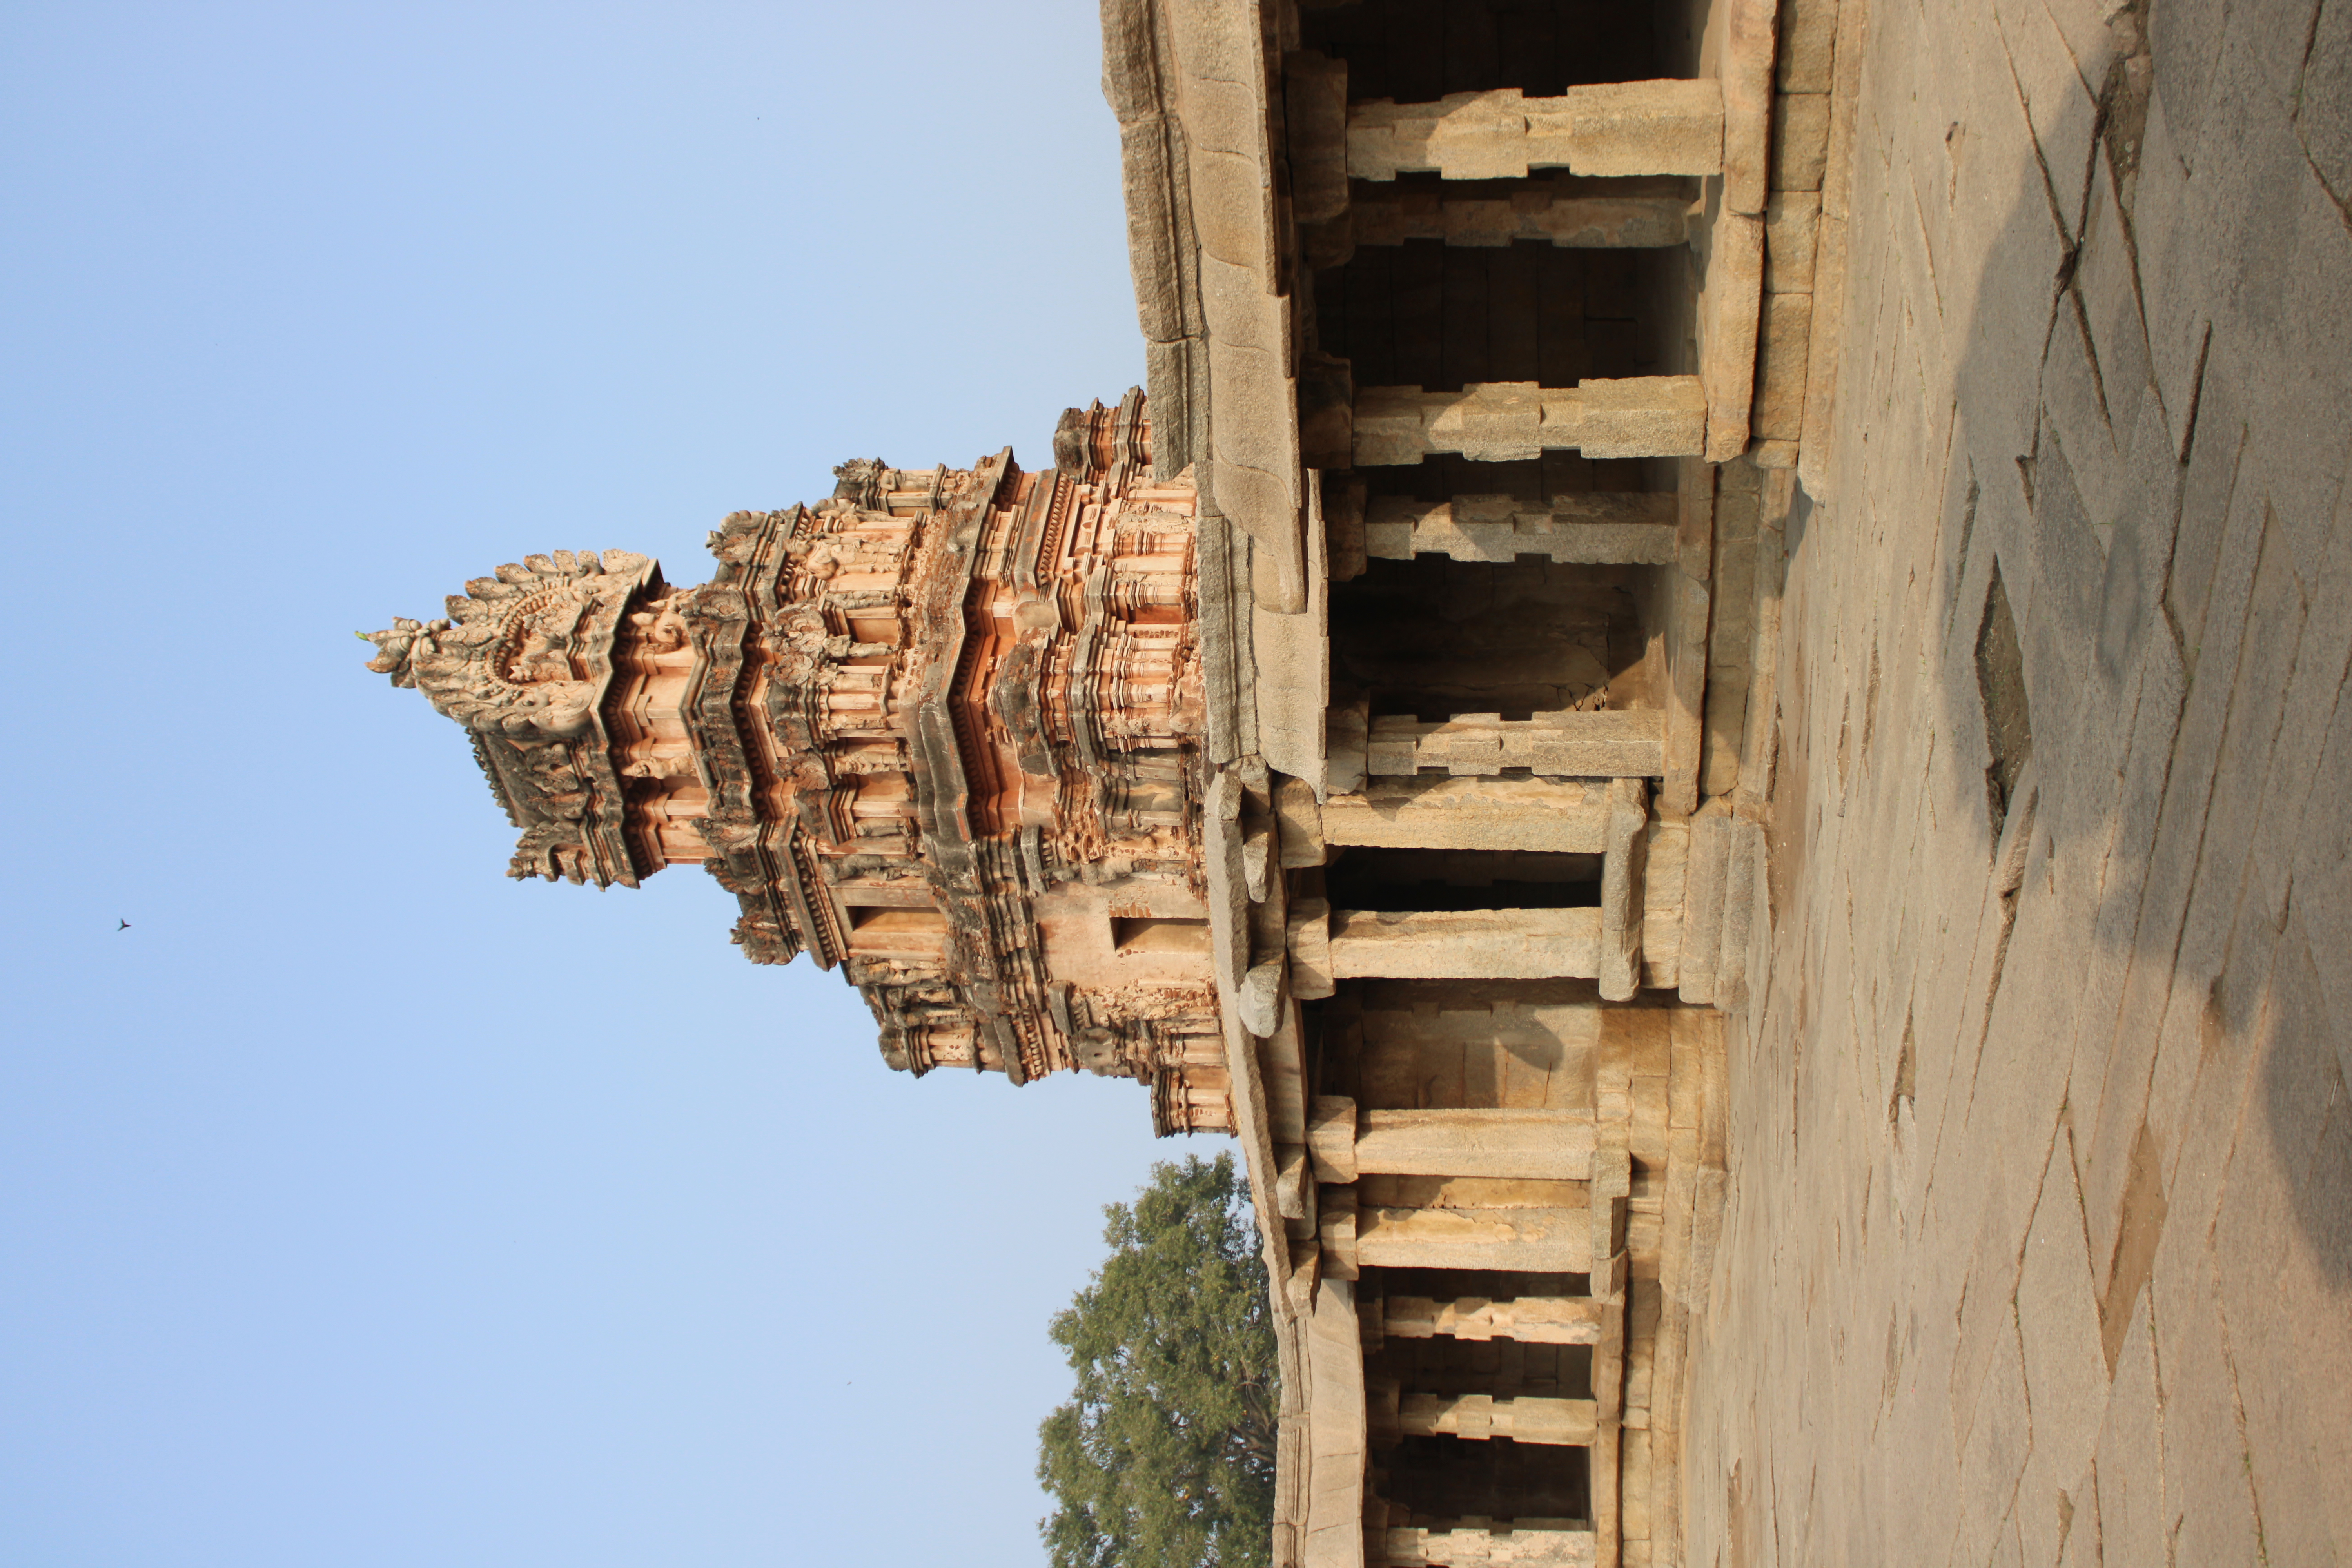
[2037,1242]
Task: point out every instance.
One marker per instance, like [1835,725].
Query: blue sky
[357,1205]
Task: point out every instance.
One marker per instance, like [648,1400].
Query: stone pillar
[1543,209]
[1551,1543]
[1503,1145]
[1530,1319]
[1613,129]
[1597,529]
[1547,1240]
[1510,421]
[1477,1418]
[1612,742]
[1441,811]
[1465,944]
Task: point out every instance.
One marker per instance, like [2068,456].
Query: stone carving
[940,731]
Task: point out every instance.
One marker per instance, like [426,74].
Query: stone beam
[1465,944]
[1530,1546]
[1611,128]
[1614,743]
[1597,529]
[1511,421]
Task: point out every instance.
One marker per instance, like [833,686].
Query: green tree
[1164,1457]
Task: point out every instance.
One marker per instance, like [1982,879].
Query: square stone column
[1550,1544]
[1606,129]
[1505,1144]
[1511,421]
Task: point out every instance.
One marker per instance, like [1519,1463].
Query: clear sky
[357,1205]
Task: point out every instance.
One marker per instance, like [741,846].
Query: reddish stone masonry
[941,731]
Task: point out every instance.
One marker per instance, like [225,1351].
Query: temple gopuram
[1365,740]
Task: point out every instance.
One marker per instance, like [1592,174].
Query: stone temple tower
[940,731]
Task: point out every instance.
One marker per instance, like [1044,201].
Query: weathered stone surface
[1481,944]
[1745,72]
[1800,141]
[1596,528]
[1551,209]
[1783,341]
[1616,129]
[1547,1145]
[1730,298]
[1497,422]
[851,814]
[1792,220]
[1600,743]
[1808,30]
[1441,811]
[1537,1240]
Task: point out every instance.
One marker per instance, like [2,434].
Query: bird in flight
[121,924]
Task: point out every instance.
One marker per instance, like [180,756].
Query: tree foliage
[1165,1456]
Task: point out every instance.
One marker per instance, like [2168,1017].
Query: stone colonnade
[1477,350]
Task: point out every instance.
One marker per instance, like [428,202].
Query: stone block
[1491,422]
[1731,295]
[1621,891]
[1661,903]
[1387,428]
[1636,417]
[1620,129]
[1784,338]
[1822,357]
[1309,931]
[1331,1138]
[1801,143]
[1746,70]
[1299,821]
[1808,45]
[1792,219]
[1315,126]
[1710,862]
